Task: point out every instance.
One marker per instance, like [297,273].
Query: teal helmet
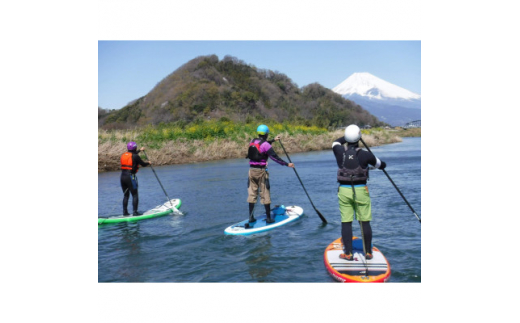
[262,129]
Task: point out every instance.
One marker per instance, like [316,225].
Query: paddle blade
[321,216]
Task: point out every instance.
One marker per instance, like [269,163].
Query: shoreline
[196,151]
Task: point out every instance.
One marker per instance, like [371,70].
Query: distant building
[413,124]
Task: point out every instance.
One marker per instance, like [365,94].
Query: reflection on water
[259,255]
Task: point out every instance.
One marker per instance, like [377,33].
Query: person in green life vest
[259,151]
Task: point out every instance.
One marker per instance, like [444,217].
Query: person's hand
[291,165]
[150,162]
[277,138]
[383,165]
[142,148]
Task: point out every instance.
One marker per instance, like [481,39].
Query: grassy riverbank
[181,144]
[412,132]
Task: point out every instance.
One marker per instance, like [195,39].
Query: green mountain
[209,88]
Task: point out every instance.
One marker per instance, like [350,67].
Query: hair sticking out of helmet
[352,134]
[262,129]
[131,145]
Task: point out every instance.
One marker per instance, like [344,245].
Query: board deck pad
[159,210]
[356,270]
[291,213]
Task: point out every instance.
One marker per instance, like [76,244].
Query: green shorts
[362,207]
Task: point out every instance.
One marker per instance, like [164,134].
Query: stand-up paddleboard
[355,271]
[282,215]
[157,211]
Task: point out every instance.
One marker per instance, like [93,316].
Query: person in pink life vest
[259,151]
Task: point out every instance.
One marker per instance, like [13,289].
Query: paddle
[169,200]
[321,216]
[391,181]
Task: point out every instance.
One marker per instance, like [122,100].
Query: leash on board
[360,226]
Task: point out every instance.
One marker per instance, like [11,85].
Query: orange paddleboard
[359,270]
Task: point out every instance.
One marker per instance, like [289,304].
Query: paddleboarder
[259,150]
[353,193]
[130,162]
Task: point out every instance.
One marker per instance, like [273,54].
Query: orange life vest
[126,161]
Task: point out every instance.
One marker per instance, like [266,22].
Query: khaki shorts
[362,207]
[258,179]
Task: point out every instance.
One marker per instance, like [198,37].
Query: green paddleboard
[156,212]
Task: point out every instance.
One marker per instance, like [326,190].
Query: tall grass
[214,140]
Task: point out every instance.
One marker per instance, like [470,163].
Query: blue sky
[130,69]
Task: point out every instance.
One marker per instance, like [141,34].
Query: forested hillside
[207,88]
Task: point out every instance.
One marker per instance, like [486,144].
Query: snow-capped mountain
[370,86]
[388,102]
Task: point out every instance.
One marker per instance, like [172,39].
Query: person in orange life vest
[130,162]
[259,150]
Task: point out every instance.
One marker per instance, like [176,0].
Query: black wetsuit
[129,182]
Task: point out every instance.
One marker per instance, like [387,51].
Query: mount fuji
[388,102]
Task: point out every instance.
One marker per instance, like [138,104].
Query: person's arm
[338,149]
[143,163]
[339,141]
[374,161]
[275,139]
[138,161]
[276,158]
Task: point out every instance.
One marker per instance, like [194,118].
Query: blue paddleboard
[282,215]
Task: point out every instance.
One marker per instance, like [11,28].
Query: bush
[205,130]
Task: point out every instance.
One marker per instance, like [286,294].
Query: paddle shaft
[362,233]
[391,181]
[319,214]
[169,200]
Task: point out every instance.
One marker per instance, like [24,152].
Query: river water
[192,247]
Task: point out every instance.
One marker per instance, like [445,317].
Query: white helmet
[352,133]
